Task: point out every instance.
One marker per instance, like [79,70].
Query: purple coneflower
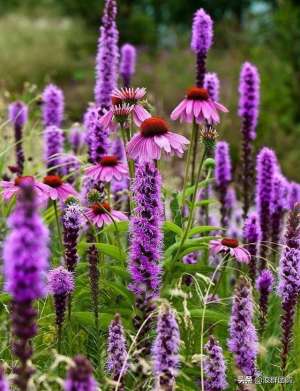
[25,257]
[53,148]
[116,351]
[80,376]
[101,214]
[154,139]
[127,65]
[107,169]
[199,107]
[14,188]
[243,338]
[76,138]
[118,113]
[107,56]
[165,350]
[18,116]
[223,177]
[264,285]
[214,366]
[278,207]
[72,220]
[230,246]
[53,106]
[252,237]
[58,189]
[289,281]
[212,84]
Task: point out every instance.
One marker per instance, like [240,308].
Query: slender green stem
[58,225]
[195,148]
[59,338]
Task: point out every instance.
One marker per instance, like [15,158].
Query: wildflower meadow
[132,256]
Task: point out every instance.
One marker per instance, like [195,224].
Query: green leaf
[108,249]
[120,290]
[175,210]
[170,226]
[203,228]
[122,226]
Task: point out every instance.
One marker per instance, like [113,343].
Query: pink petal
[178,110]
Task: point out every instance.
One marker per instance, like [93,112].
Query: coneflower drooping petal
[252,237]
[80,376]
[127,65]
[289,281]
[116,351]
[243,338]
[202,37]
[107,56]
[214,366]
[223,177]
[53,148]
[25,257]
[165,350]
[212,84]
[266,167]
[18,116]
[4,386]
[248,111]
[146,238]
[52,106]
[264,285]
[279,205]
[72,221]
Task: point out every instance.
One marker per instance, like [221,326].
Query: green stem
[195,147]
[58,225]
[59,339]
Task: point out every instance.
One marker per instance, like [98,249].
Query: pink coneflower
[119,113]
[108,168]
[131,97]
[198,106]
[153,139]
[232,247]
[101,214]
[57,189]
[11,188]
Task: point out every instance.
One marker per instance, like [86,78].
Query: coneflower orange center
[21,180]
[116,101]
[229,242]
[197,93]
[99,209]
[109,161]
[154,126]
[53,181]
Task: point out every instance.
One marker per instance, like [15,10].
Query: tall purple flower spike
[146,240]
[242,340]
[214,366]
[107,56]
[165,350]
[266,167]
[223,177]
[294,194]
[52,106]
[212,84]
[18,116]
[25,257]
[127,65]
[252,238]
[289,281]
[202,37]
[248,111]
[80,376]
[279,205]
[117,353]
[264,285]
[53,148]
[72,221]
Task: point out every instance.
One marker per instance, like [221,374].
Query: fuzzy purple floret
[243,341]
[214,366]
[252,237]
[202,32]
[60,281]
[212,84]
[165,350]
[279,205]
[72,221]
[18,114]
[25,251]
[294,194]
[80,376]
[116,350]
[53,106]
[107,56]
[265,281]
[53,147]
[127,65]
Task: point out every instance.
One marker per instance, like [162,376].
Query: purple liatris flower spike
[18,116]
[248,111]
[264,285]
[252,237]
[53,148]
[107,56]
[117,364]
[202,37]
[279,205]
[214,366]
[72,221]
[127,65]
[165,350]
[146,238]
[80,376]
[25,257]
[4,386]
[76,138]
[223,177]
[294,194]
[212,84]
[53,106]
[243,339]
[266,167]
[289,281]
